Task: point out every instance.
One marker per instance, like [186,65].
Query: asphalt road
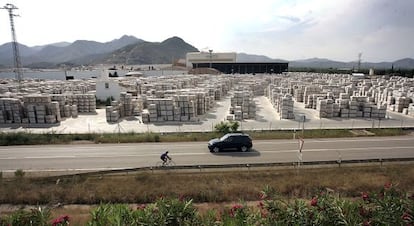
[91,157]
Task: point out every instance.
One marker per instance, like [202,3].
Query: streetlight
[211,56]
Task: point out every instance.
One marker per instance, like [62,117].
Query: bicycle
[168,163]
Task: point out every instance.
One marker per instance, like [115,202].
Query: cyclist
[164,157]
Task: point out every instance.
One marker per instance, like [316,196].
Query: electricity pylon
[15,45]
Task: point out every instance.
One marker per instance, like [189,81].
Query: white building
[108,87]
[210,57]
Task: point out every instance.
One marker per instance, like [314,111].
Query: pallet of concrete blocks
[336,110]
[40,113]
[238,113]
[145,116]
[382,110]
[230,117]
[367,109]
[410,110]
[201,103]
[53,109]
[74,111]
[11,110]
[286,107]
[112,114]
[126,101]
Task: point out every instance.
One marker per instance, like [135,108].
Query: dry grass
[145,187]
[214,188]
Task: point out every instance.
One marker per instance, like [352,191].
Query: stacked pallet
[286,107]
[112,112]
[324,108]
[243,105]
[41,109]
[410,110]
[86,103]
[343,104]
[185,108]
[308,96]
[126,104]
[299,93]
[11,110]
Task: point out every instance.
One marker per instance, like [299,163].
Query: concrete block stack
[185,108]
[312,100]
[298,94]
[200,101]
[410,110]
[324,108]
[159,110]
[308,96]
[243,105]
[11,110]
[343,105]
[41,109]
[86,103]
[112,113]
[286,107]
[64,108]
[126,106]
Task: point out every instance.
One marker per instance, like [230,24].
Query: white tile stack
[242,105]
[310,97]
[286,107]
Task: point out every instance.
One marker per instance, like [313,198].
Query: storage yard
[197,102]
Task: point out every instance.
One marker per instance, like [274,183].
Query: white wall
[204,57]
[106,88]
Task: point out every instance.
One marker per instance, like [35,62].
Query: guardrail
[334,163]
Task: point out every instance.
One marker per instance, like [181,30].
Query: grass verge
[145,187]
[22,138]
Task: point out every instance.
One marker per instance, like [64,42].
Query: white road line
[208,153]
[342,149]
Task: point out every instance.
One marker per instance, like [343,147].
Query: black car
[231,141]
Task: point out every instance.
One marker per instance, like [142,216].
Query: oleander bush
[388,206]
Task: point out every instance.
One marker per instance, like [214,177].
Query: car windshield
[224,137]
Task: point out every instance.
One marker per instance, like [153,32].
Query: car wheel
[216,149]
[244,148]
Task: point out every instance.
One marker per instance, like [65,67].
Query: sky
[382,30]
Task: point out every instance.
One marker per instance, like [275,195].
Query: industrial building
[227,63]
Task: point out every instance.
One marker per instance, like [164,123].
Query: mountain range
[130,50]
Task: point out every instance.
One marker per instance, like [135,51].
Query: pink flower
[365,196]
[262,195]
[61,220]
[314,201]
[261,205]
[406,216]
[366,223]
[363,212]
[387,185]
[234,209]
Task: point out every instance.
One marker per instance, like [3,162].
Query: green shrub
[19,173]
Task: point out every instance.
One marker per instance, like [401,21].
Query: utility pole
[211,57]
[16,54]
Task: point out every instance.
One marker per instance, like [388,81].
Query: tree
[227,127]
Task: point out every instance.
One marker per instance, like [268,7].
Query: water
[60,75]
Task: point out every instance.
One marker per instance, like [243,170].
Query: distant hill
[63,52]
[150,52]
[244,57]
[132,50]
